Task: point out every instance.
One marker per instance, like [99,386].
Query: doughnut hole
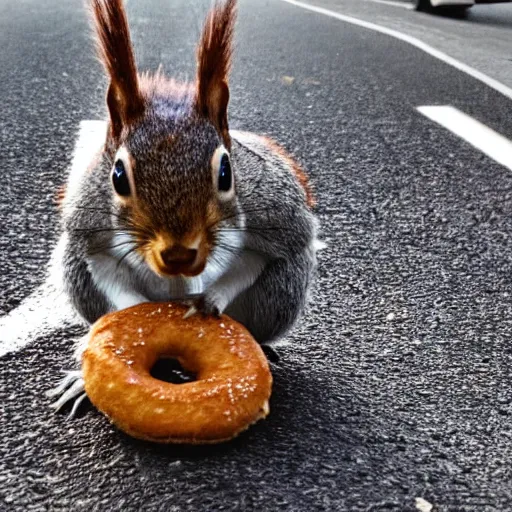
[170,370]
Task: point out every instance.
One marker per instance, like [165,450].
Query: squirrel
[176,206]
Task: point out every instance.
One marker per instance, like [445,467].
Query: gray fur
[262,255]
[262,281]
[278,252]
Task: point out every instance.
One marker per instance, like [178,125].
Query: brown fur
[299,172]
[214,55]
[128,92]
[164,241]
[160,238]
[158,84]
[124,98]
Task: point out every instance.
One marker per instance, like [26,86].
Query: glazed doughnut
[233,383]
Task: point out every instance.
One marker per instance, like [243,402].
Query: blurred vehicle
[453,5]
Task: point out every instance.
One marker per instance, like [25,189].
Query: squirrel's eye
[120,179]
[225,178]
[222,175]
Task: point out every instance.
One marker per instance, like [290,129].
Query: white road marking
[91,137]
[491,143]
[47,308]
[39,314]
[42,312]
[403,5]
[474,73]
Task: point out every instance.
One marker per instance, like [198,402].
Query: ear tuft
[213,65]
[124,99]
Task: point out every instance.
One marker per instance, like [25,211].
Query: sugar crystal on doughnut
[230,393]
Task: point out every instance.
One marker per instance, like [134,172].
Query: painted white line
[47,308]
[488,141]
[478,75]
[402,5]
[41,313]
[91,137]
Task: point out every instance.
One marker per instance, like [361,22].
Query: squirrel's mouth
[170,259]
[177,269]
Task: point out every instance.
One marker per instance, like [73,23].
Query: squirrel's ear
[124,99]
[213,65]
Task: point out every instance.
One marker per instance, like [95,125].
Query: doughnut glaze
[233,381]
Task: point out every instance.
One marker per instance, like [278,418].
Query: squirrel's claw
[70,377]
[71,388]
[192,310]
[207,306]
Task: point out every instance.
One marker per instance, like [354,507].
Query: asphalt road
[482,38]
[396,383]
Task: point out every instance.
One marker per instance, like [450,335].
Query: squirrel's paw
[209,305]
[206,305]
[71,388]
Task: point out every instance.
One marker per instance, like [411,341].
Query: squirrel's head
[168,145]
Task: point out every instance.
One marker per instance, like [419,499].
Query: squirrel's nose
[178,254]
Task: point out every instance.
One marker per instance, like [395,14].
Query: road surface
[481,38]
[393,392]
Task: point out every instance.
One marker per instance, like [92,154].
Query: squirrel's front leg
[119,295]
[115,282]
[242,273]
[270,307]
[100,282]
[71,388]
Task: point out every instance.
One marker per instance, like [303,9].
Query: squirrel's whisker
[102,248]
[126,254]
[235,215]
[129,231]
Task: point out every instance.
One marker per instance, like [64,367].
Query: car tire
[458,10]
[426,6]
[423,5]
